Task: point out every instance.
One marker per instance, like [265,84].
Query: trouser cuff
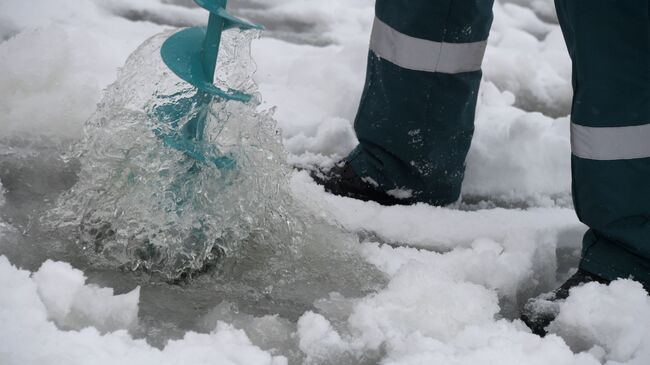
[610,261]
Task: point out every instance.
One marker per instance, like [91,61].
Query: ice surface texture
[141,205]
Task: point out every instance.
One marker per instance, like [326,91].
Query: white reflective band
[424,55]
[609,144]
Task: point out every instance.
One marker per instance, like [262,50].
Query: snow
[424,318]
[434,227]
[456,275]
[399,310]
[60,56]
[415,324]
[400,193]
[29,338]
[72,304]
[612,320]
[318,339]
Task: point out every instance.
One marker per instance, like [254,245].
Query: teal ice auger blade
[192,55]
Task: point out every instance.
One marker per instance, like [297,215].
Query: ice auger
[192,55]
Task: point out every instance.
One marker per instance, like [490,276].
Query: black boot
[539,312]
[343,181]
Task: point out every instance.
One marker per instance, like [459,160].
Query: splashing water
[142,206]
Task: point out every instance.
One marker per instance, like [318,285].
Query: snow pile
[48,79]
[434,227]
[528,57]
[315,116]
[27,337]
[423,317]
[318,339]
[399,310]
[545,9]
[428,314]
[507,267]
[59,56]
[72,304]
[516,155]
[612,322]
[498,343]
[520,152]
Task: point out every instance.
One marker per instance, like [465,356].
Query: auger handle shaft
[211,45]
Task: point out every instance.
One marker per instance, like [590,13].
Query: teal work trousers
[416,116]
[609,43]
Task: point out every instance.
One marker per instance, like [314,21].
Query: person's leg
[416,117]
[609,42]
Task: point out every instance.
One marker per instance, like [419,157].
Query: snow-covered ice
[425,285]
[409,320]
[30,337]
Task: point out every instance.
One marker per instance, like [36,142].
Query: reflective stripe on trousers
[425,55]
[610,143]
